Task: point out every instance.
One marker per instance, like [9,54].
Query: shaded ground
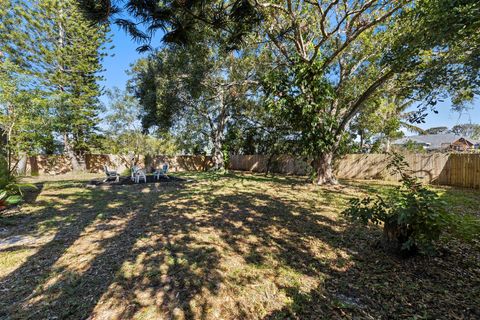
[222,247]
[128,180]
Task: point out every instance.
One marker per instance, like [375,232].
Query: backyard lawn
[236,246]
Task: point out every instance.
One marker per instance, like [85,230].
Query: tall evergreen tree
[62,52]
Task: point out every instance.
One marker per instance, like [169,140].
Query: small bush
[126,172]
[6,199]
[412,216]
[11,191]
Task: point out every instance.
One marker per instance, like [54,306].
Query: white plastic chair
[110,174]
[140,174]
[133,170]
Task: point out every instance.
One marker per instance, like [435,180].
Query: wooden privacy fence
[462,170]
[258,163]
[60,164]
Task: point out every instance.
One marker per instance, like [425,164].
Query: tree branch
[356,106]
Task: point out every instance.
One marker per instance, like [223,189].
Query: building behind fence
[461,170]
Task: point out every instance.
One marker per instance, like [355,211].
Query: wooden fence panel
[462,170]
[60,164]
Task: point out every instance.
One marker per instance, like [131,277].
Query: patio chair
[161,172]
[110,174]
[138,174]
[133,170]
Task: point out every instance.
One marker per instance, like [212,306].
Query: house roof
[434,141]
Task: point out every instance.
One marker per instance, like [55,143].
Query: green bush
[11,191]
[6,199]
[126,172]
[412,216]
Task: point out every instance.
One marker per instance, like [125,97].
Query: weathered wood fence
[461,170]
[60,164]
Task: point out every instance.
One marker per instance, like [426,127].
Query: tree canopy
[57,55]
[330,59]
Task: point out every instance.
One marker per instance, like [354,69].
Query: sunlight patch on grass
[78,258]
[10,260]
[223,246]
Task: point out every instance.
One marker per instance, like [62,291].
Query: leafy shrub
[126,172]
[11,191]
[412,216]
[6,200]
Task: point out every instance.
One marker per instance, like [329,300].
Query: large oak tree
[332,58]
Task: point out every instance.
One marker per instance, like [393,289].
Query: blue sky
[125,54]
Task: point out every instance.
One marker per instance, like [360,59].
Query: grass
[234,246]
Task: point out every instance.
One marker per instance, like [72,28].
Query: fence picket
[462,170]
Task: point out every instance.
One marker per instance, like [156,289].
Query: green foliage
[412,215]
[11,191]
[5,199]
[437,47]
[301,95]
[469,130]
[412,146]
[380,122]
[57,57]
[24,115]
[5,177]
[193,92]
[124,134]
[436,130]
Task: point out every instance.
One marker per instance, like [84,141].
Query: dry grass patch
[236,246]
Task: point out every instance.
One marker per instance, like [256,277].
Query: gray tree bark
[22,165]
[324,169]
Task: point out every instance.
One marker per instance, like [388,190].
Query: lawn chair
[161,172]
[133,170]
[138,174]
[110,174]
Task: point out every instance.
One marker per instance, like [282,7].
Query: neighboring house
[441,142]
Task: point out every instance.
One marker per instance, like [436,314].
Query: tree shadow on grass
[67,277]
[360,279]
[139,252]
[277,179]
[21,284]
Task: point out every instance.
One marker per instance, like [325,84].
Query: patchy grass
[235,246]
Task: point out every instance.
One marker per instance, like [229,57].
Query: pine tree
[62,53]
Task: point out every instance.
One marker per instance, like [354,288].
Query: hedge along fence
[60,164]
[462,170]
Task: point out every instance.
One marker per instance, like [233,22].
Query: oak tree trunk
[22,164]
[218,159]
[324,169]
